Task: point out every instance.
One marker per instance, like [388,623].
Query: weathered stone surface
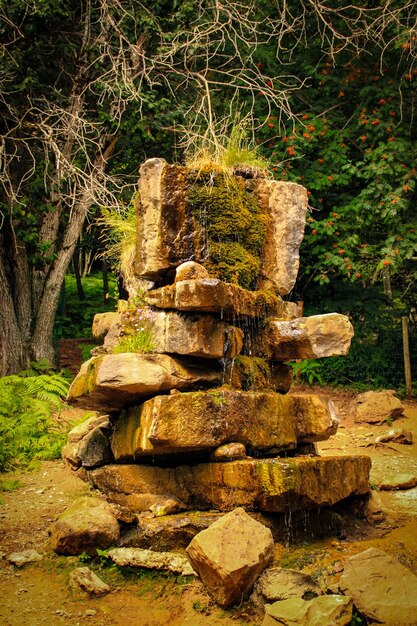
[274,485]
[139,487]
[259,420]
[167,532]
[381,588]
[333,610]
[86,524]
[229,452]
[396,435]
[255,373]
[311,337]
[277,583]
[168,507]
[166,234]
[88,443]
[24,557]
[400,481]
[81,430]
[215,296]
[377,406]
[190,270]
[374,511]
[102,322]
[230,554]
[88,581]
[138,557]
[94,450]
[114,381]
[196,335]
[286,206]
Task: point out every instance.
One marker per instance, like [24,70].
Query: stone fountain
[204,422]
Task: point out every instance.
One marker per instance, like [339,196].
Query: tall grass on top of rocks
[28,431]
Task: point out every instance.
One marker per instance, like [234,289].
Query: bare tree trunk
[105,282]
[42,345]
[76,264]
[13,352]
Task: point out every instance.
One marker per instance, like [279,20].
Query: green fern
[28,432]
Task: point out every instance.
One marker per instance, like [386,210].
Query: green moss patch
[234,223]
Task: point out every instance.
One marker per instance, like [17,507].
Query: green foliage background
[28,432]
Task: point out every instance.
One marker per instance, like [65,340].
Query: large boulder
[168,233]
[230,555]
[260,420]
[286,206]
[215,296]
[113,381]
[166,236]
[87,524]
[195,335]
[276,485]
[382,589]
[331,610]
[377,406]
[311,337]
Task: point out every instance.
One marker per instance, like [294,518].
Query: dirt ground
[39,594]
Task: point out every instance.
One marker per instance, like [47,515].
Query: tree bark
[76,264]
[42,345]
[13,352]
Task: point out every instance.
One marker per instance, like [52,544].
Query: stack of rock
[205,421]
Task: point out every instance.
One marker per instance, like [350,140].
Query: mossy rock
[234,223]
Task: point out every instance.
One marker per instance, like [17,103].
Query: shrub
[28,433]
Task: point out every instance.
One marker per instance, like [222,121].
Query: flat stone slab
[211,295]
[311,337]
[149,559]
[277,583]
[399,482]
[330,610]
[274,485]
[260,420]
[23,558]
[381,588]
[114,381]
[396,435]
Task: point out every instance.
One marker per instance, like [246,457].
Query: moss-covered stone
[235,225]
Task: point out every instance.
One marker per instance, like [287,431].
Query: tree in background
[75,75]
[88,85]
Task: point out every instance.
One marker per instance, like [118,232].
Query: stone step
[211,295]
[114,381]
[274,485]
[198,421]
